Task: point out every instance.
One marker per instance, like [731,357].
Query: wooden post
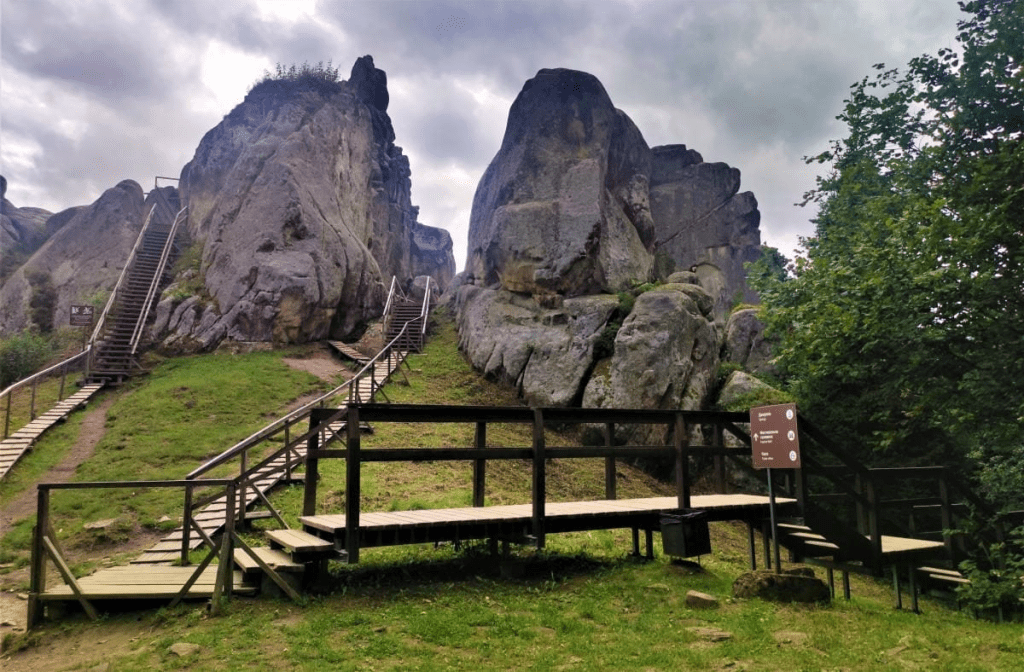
[225,576]
[682,467]
[7,416]
[716,441]
[862,515]
[609,462]
[63,376]
[801,490]
[32,405]
[479,466]
[539,485]
[186,525]
[352,475]
[37,573]
[312,472]
[947,515]
[874,525]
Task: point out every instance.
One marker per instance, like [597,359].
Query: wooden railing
[31,383]
[676,423]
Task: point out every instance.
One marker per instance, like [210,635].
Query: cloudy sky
[96,91]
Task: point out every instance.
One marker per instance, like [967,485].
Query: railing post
[225,576]
[186,526]
[479,465]
[681,440]
[609,462]
[539,477]
[63,376]
[37,575]
[716,441]
[874,524]
[947,515]
[352,483]
[32,406]
[312,472]
[7,416]
[862,514]
[801,490]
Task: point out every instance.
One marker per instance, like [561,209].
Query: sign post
[774,442]
[82,316]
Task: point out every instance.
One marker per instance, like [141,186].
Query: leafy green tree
[903,326]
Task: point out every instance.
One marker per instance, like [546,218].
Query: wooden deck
[348,351]
[516,520]
[14,447]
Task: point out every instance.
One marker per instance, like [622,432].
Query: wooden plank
[297,541]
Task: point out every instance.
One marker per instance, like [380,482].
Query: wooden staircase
[118,334]
[405,324]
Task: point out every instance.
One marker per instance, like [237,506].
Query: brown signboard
[81,316]
[774,438]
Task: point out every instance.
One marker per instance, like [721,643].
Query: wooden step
[299,543]
[275,559]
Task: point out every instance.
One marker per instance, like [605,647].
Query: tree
[903,326]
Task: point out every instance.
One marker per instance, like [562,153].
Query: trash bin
[686,534]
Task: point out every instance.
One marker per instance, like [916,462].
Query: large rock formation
[703,222]
[22,231]
[300,202]
[80,261]
[561,219]
[563,207]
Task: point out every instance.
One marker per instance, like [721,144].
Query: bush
[43,301]
[22,355]
[996,573]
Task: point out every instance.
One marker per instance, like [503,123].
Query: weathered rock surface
[665,357]
[22,231]
[563,208]
[702,222]
[545,352]
[738,386]
[82,258]
[300,201]
[745,343]
[786,587]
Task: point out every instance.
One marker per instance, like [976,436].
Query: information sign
[81,316]
[774,437]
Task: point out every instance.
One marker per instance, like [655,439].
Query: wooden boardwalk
[134,582]
[348,351]
[14,447]
[212,517]
[516,520]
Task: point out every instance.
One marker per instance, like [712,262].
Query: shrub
[43,301]
[22,355]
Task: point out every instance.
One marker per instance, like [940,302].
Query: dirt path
[90,432]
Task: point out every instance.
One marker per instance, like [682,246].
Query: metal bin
[685,534]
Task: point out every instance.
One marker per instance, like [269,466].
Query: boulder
[563,208]
[740,386]
[80,261]
[546,352]
[300,202]
[745,343]
[665,356]
[701,220]
[786,587]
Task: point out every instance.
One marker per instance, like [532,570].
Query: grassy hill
[582,604]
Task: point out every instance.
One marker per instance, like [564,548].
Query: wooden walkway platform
[144,583]
[347,350]
[212,517]
[14,447]
[516,520]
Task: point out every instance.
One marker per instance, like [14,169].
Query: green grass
[582,604]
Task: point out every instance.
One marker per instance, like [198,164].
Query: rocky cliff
[22,232]
[300,213]
[80,261]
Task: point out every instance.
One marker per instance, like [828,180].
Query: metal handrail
[295,415]
[424,311]
[155,283]
[120,279]
[33,380]
[13,387]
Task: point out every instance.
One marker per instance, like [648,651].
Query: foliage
[43,300]
[904,321]
[320,77]
[997,577]
[21,355]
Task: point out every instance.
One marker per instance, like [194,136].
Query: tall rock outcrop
[563,207]
[22,231]
[703,222]
[560,243]
[81,260]
[300,203]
